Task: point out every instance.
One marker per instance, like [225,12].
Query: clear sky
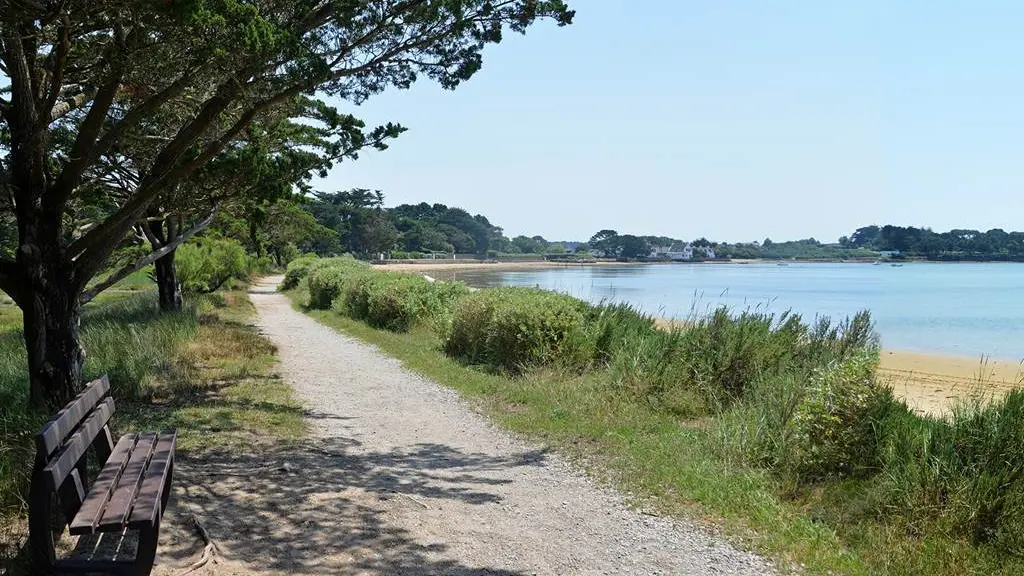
[734,120]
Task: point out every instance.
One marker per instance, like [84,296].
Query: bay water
[968,309]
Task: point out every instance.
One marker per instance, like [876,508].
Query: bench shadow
[327,506]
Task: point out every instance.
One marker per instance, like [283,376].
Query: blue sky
[733,120]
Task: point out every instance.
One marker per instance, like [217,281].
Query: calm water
[967,309]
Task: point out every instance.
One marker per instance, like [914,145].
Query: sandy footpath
[402,478]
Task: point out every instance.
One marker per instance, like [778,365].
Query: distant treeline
[994,244]
[359,224]
[356,221]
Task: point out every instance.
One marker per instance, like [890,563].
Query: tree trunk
[254,234]
[52,316]
[167,283]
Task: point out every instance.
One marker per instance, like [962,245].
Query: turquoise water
[965,309]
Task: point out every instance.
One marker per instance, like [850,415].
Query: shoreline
[478,266]
[930,383]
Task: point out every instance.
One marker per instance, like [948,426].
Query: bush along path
[402,478]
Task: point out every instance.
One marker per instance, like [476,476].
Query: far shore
[421,266]
[425,266]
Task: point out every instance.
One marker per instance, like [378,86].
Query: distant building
[686,253]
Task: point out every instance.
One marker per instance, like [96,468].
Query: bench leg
[167,487]
[149,538]
[146,554]
[40,525]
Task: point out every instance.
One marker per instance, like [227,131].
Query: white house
[687,253]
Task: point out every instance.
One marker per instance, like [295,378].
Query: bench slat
[116,512]
[64,422]
[73,450]
[89,514]
[148,503]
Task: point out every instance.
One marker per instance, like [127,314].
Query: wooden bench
[130,491]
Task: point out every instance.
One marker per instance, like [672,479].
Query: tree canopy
[84,82]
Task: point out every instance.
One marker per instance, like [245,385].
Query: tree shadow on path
[329,507]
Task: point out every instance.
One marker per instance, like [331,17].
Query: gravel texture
[403,478]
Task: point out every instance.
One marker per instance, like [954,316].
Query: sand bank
[932,383]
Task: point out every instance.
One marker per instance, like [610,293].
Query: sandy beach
[931,383]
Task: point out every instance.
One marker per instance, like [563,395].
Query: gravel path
[420,484]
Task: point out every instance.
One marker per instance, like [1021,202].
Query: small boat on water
[782,264]
[876,263]
[896,265]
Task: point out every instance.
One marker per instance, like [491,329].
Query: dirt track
[402,478]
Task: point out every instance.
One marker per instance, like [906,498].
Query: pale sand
[932,383]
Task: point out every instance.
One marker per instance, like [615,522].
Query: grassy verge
[204,371]
[676,464]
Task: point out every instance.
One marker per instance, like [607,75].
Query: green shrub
[962,474]
[440,302]
[655,367]
[209,263]
[834,424]
[759,429]
[614,325]
[260,265]
[296,271]
[325,284]
[397,301]
[515,328]
[729,354]
[703,367]
[716,361]
[346,262]
[326,277]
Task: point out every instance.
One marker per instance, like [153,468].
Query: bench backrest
[63,443]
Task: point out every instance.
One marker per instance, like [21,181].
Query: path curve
[438,490]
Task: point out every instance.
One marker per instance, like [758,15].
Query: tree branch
[143,110]
[83,151]
[22,121]
[215,147]
[153,234]
[146,260]
[60,62]
[60,109]
[99,241]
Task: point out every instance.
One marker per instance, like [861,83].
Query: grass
[138,281]
[205,371]
[687,466]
